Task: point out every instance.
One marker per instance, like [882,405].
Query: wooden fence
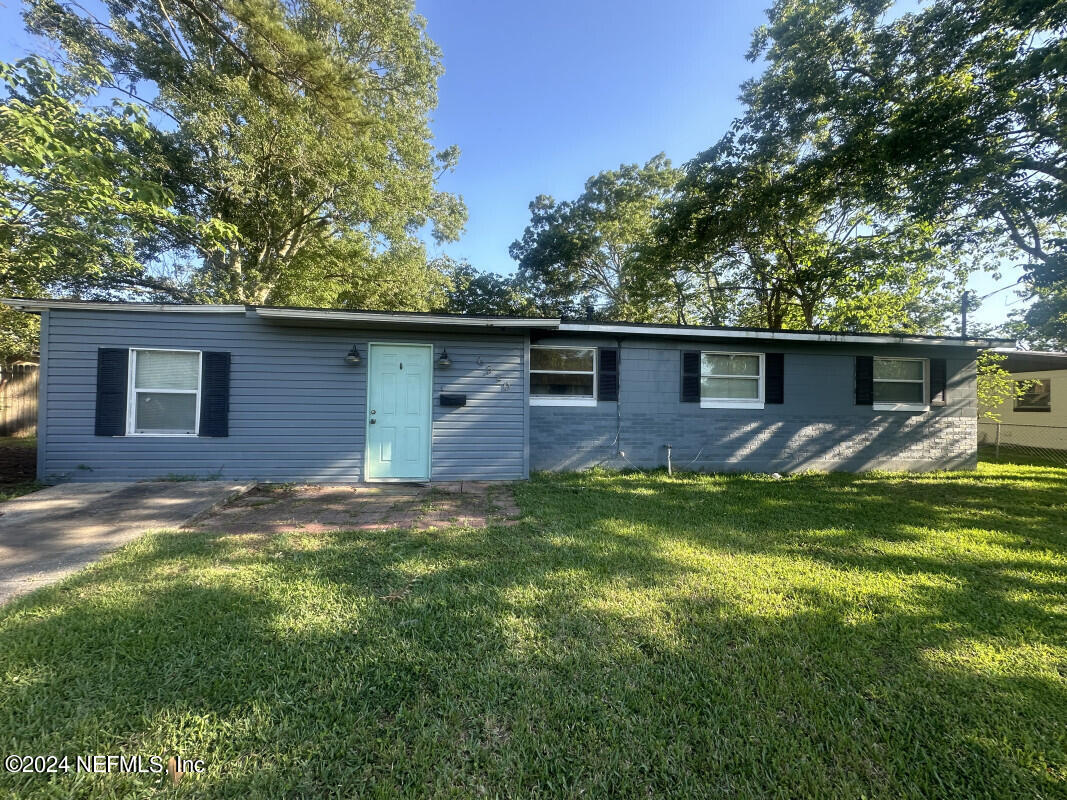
[18,400]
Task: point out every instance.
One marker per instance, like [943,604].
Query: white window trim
[563,400]
[725,402]
[908,407]
[1028,409]
[131,392]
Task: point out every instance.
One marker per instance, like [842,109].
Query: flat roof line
[487,321]
[24,304]
[400,317]
[772,335]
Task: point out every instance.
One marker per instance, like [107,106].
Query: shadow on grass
[699,636]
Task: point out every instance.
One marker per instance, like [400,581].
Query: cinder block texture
[818,427]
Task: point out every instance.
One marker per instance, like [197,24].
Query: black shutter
[938,382]
[774,390]
[608,374]
[112,368]
[864,380]
[215,395]
[690,376]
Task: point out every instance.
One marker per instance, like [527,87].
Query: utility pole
[963,313]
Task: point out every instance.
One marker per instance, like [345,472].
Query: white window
[731,380]
[164,393]
[563,376]
[900,384]
[1036,396]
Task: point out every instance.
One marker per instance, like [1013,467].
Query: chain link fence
[1035,445]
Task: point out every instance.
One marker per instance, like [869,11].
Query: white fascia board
[402,319]
[780,336]
[44,305]
[1012,351]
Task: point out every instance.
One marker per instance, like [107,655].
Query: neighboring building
[134,391]
[1039,417]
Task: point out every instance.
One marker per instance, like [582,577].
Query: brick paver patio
[274,508]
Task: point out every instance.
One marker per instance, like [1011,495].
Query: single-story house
[1037,418]
[133,391]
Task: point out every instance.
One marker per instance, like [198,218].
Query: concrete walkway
[46,535]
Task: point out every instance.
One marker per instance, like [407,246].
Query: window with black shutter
[215,395]
[938,382]
[864,380]
[690,376]
[775,386]
[112,376]
[608,374]
[145,392]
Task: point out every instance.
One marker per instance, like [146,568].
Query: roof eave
[37,306]
[783,336]
[400,318]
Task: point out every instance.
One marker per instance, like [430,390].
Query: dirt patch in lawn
[18,460]
[275,508]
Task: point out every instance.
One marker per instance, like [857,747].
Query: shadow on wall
[726,444]
[732,632]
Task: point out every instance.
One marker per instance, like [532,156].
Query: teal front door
[398,411]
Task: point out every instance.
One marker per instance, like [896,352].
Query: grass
[9,491]
[878,636]
[1023,456]
[27,442]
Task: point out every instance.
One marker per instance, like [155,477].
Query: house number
[489,369]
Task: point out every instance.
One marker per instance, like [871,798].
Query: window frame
[725,402]
[131,392]
[563,400]
[925,381]
[1031,409]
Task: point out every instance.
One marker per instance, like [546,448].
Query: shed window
[731,380]
[1037,397]
[563,376]
[900,384]
[164,392]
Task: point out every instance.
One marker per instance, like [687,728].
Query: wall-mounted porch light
[354,358]
[444,360]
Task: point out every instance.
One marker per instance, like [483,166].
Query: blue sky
[539,96]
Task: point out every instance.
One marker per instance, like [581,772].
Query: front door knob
[373,421]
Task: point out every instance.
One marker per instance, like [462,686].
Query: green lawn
[635,636]
[9,491]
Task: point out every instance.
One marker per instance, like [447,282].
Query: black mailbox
[453,400]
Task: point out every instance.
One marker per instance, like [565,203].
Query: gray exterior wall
[297,411]
[818,427]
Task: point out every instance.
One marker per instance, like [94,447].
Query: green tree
[787,251]
[954,113]
[590,251]
[472,291]
[996,386]
[81,192]
[303,125]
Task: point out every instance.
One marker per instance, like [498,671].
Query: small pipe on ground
[669,470]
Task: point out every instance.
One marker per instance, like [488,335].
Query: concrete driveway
[46,535]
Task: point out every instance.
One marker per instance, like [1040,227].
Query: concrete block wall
[817,427]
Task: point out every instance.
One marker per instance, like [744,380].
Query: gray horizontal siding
[297,411]
[817,427]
